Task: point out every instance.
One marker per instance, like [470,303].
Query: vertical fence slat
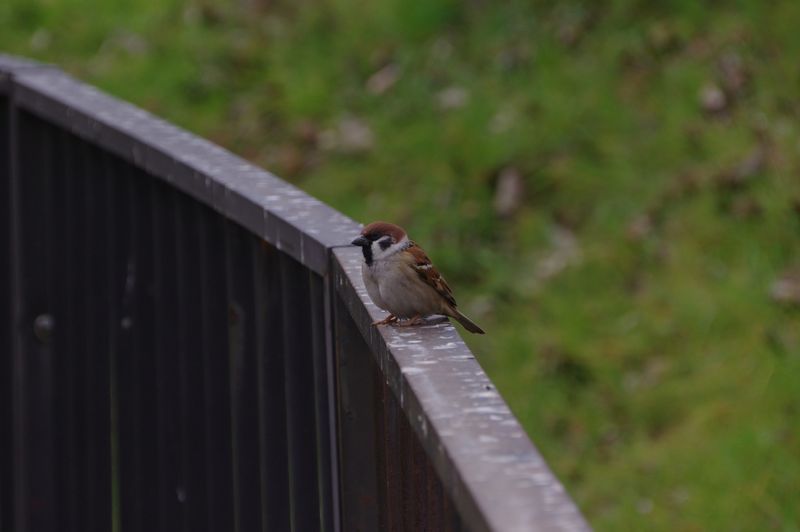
[69,367]
[214,332]
[126,408]
[357,428]
[323,397]
[382,439]
[118,234]
[192,368]
[298,374]
[17,485]
[391,473]
[75,337]
[243,355]
[6,371]
[165,308]
[426,482]
[33,354]
[273,450]
[136,369]
[96,441]
[113,278]
[413,478]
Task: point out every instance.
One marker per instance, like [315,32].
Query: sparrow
[401,279]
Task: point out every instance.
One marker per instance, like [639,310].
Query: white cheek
[379,253]
[376,250]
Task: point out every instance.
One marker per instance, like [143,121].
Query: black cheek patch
[367,251]
[384,244]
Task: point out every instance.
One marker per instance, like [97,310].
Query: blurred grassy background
[610,186]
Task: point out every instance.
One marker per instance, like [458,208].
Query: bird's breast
[401,290]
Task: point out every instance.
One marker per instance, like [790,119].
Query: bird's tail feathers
[466,322]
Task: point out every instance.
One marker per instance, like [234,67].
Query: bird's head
[379,240]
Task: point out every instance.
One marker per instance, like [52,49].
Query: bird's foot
[391,318]
[416,320]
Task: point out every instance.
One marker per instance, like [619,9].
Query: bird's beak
[360,242]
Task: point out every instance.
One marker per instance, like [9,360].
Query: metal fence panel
[188,347]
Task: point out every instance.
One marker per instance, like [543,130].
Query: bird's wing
[420,262]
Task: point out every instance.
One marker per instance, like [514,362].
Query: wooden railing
[185,344]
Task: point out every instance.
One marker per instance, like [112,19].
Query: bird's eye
[385,242]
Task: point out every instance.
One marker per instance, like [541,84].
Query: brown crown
[376,230]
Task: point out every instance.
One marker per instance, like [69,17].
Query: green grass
[649,364]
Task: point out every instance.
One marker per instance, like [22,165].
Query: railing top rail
[490,468]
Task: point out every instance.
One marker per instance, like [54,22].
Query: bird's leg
[391,318]
[416,320]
